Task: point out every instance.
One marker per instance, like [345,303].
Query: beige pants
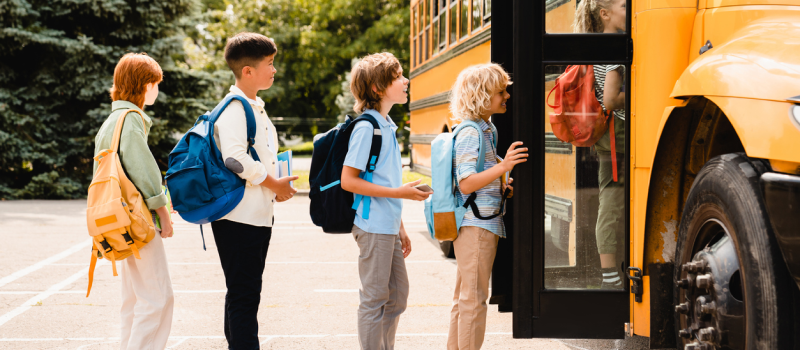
[147,299]
[475,251]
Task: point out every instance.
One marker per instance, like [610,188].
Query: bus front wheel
[730,275]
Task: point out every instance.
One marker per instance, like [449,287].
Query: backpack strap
[481,152]
[374,154]
[470,204]
[249,117]
[118,128]
[613,147]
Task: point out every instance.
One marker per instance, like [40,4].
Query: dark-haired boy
[242,237]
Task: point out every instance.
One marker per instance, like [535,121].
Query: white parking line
[311,262]
[49,261]
[279,262]
[184,338]
[14,292]
[41,296]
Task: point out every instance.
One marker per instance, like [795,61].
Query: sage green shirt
[138,162]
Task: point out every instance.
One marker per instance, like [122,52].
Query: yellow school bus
[709,239]
[446,37]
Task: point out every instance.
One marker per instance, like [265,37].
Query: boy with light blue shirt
[378,84]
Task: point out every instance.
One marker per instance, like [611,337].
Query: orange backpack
[118,219]
[578,118]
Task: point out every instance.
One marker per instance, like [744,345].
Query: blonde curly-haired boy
[479,92]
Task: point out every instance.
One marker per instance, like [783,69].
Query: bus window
[453,21]
[435,27]
[576,16]
[464,18]
[476,15]
[442,24]
[584,205]
[427,33]
[487,11]
[414,49]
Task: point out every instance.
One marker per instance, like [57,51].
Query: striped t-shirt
[465,163]
[600,72]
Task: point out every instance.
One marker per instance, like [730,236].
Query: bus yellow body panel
[442,78]
[749,75]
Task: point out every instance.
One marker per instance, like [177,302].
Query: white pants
[147,299]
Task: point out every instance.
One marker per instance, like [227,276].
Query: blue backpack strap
[249,117]
[374,154]
[481,152]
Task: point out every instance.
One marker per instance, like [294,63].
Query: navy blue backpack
[202,188]
[333,208]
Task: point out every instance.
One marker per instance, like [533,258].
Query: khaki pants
[147,299]
[475,251]
[611,211]
[384,288]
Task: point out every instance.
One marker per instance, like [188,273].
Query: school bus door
[548,273]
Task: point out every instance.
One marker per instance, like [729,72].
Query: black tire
[447,249]
[726,191]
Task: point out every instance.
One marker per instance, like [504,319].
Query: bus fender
[759,61]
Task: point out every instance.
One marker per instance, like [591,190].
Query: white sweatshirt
[230,134]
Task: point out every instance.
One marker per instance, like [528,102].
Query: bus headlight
[795,113]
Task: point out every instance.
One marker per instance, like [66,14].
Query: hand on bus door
[514,156]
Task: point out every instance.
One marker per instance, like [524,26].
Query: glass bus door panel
[560,15]
[569,236]
[572,179]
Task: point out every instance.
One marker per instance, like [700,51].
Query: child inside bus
[377,85]
[608,16]
[479,92]
[147,296]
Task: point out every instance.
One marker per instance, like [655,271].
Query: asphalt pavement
[309,298]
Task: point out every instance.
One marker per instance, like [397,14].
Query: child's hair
[379,70]
[587,16]
[247,49]
[131,76]
[471,95]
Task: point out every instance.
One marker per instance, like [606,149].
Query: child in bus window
[479,92]
[608,16]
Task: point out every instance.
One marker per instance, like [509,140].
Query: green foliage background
[316,42]
[57,61]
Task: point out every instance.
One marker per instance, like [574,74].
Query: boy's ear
[245,71]
[375,90]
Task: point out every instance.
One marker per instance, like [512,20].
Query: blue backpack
[444,210]
[333,208]
[202,188]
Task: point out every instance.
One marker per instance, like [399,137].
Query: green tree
[57,62]
[316,42]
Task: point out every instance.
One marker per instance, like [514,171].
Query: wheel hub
[712,312]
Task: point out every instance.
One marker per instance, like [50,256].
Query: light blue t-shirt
[384,213]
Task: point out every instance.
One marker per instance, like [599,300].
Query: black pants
[242,251]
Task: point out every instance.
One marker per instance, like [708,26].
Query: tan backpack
[118,219]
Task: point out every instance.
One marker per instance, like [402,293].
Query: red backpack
[578,118]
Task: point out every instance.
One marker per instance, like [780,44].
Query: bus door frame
[522,46]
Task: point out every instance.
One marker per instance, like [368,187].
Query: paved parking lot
[309,298]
